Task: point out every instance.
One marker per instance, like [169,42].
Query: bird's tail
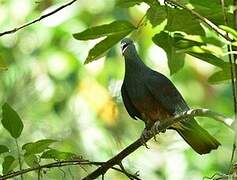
[197,137]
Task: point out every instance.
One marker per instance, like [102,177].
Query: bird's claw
[155,129]
[144,136]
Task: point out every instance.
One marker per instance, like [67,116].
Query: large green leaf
[114,28]
[3,149]
[38,146]
[55,154]
[8,164]
[11,121]
[103,46]
[156,14]
[181,20]
[165,41]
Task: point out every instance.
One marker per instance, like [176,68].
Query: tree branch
[36,20]
[117,159]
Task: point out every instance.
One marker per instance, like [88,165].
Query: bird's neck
[134,64]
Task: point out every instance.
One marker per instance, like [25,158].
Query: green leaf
[181,20]
[103,46]
[220,76]
[55,154]
[183,41]
[31,160]
[156,14]
[8,164]
[209,58]
[213,10]
[3,149]
[38,146]
[114,28]
[11,121]
[230,31]
[165,41]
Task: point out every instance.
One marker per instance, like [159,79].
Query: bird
[151,97]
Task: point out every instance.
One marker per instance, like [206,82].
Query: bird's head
[127,46]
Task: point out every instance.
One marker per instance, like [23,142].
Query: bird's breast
[150,109]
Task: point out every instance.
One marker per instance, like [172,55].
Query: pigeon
[151,97]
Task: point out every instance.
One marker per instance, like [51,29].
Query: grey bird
[152,97]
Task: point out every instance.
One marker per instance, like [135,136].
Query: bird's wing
[132,111]
[163,90]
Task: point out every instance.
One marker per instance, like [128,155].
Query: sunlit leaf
[209,58]
[175,61]
[8,164]
[229,30]
[103,46]
[38,146]
[220,76]
[11,121]
[180,20]
[114,28]
[31,160]
[182,40]
[55,154]
[156,14]
[3,149]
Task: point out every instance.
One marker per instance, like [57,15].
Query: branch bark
[117,159]
[36,20]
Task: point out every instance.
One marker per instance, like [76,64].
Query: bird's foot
[155,129]
[144,136]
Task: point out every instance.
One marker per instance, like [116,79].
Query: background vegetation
[77,109]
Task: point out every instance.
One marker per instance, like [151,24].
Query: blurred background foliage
[58,97]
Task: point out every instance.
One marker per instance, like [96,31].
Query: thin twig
[58,164]
[50,165]
[117,159]
[133,176]
[36,20]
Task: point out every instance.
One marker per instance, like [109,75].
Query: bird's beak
[124,47]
